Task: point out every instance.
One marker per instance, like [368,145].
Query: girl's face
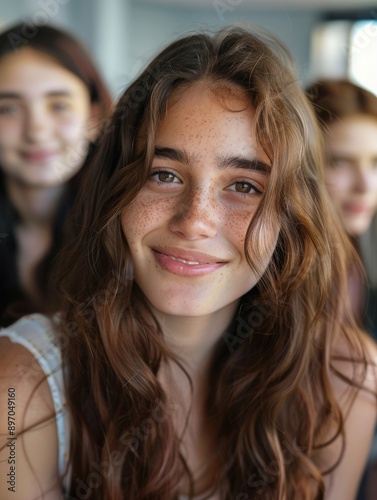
[46,119]
[351,174]
[186,228]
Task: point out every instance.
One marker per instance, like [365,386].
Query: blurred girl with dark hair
[52,100]
[206,341]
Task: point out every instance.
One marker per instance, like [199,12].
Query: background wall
[124,34]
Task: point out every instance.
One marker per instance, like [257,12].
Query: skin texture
[45,119]
[191,205]
[351,174]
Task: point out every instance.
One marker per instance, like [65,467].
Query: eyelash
[254,190]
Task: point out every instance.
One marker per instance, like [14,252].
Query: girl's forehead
[190,105]
[30,55]
[227,94]
[200,104]
[29,73]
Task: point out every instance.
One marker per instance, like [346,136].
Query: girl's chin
[357,227]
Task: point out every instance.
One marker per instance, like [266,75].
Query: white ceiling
[271,4]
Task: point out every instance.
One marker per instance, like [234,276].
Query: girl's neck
[193,339]
[35,205]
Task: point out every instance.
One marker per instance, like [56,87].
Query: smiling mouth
[189,262]
[186,262]
[357,209]
[38,155]
[189,257]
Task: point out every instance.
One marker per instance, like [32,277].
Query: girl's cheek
[239,222]
[146,212]
[74,131]
[8,134]
[236,224]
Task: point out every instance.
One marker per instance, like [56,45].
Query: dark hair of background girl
[69,53]
[270,388]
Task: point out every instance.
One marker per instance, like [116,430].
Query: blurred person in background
[52,102]
[348,116]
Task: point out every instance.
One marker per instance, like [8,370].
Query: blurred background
[327,38]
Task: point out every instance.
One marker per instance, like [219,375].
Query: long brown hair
[270,376]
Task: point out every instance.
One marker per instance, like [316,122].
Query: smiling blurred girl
[347,114]
[52,100]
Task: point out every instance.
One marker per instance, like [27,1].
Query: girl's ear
[93,126]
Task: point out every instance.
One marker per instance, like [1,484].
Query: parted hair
[270,387]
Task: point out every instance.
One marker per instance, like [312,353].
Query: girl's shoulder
[32,416]
[33,332]
[38,334]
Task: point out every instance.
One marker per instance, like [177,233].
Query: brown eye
[166,177]
[243,187]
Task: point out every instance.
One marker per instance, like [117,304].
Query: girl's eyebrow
[9,95]
[231,161]
[173,154]
[59,93]
[53,93]
[248,163]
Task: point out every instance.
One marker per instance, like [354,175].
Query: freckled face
[186,228]
[351,174]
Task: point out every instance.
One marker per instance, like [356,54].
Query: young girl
[207,345]
[348,116]
[52,100]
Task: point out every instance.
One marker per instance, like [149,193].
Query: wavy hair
[69,53]
[270,374]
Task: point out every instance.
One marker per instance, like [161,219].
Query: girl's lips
[38,155]
[187,263]
[356,208]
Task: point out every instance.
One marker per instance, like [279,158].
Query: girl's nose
[196,216]
[37,124]
[363,178]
